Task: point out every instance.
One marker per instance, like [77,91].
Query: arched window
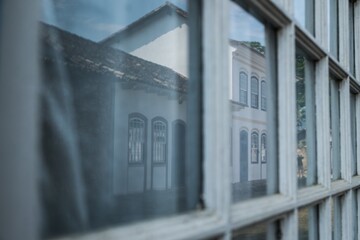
[243,94]
[159,140]
[254,92]
[137,138]
[263,95]
[263,148]
[254,147]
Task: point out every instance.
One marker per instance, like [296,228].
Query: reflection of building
[161,37]
[248,89]
[127,121]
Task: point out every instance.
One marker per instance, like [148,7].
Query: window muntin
[137,139]
[335,144]
[263,95]
[243,95]
[251,161]
[305,116]
[254,92]
[305,14]
[159,140]
[115,114]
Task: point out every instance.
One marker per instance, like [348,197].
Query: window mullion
[216,108]
[287,115]
[322,122]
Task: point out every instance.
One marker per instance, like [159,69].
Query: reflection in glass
[352,36]
[305,112]
[253,136]
[355,214]
[354,127]
[305,14]
[114,113]
[260,231]
[333,18]
[308,223]
[335,146]
[336,217]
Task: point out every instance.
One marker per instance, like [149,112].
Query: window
[254,151]
[137,123]
[351,36]
[263,148]
[333,19]
[254,147]
[137,139]
[305,14]
[263,95]
[243,97]
[354,129]
[254,92]
[335,146]
[306,124]
[159,140]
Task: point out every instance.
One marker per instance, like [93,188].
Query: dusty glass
[336,217]
[354,127]
[306,121]
[260,231]
[333,31]
[308,220]
[352,36]
[335,145]
[252,102]
[305,14]
[115,86]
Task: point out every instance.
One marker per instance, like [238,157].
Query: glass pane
[352,36]
[353,132]
[333,19]
[114,113]
[304,14]
[260,231]
[336,217]
[335,146]
[355,215]
[252,90]
[306,123]
[308,223]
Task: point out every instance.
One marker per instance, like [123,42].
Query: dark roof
[166,8]
[86,55]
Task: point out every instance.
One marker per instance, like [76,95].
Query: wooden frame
[218,216]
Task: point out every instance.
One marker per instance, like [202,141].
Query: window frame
[243,90]
[132,117]
[218,216]
[153,142]
[254,92]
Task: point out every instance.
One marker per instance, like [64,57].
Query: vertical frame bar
[19,93]
[216,108]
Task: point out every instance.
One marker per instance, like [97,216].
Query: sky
[97,19]
[245,27]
